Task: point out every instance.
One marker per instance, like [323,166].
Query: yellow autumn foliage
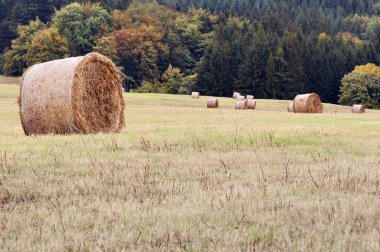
[368,69]
[349,37]
[324,36]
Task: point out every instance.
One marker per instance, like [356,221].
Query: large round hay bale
[291,107]
[240,98]
[73,95]
[250,97]
[307,103]
[195,95]
[241,105]
[358,109]
[212,103]
[251,104]
[235,95]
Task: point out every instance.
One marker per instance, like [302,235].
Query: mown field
[183,177]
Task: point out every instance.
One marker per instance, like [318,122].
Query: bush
[46,45]
[151,87]
[362,86]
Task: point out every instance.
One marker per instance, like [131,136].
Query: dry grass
[183,177]
[9,80]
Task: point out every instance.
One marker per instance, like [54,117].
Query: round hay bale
[241,105]
[195,95]
[250,97]
[291,107]
[212,103]
[240,98]
[251,104]
[358,109]
[235,95]
[307,103]
[73,95]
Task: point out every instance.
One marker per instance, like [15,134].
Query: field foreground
[183,177]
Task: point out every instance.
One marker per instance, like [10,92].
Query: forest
[273,49]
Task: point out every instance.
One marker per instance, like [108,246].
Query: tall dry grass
[182,177]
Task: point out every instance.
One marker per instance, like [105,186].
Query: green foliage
[268,48]
[7,33]
[82,25]
[21,12]
[151,87]
[139,50]
[186,86]
[359,87]
[150,13]
[173,82]
[189,37]
[373,32]
[16,58]
[218,69]
[356,24]
[107,46]
[46,45]
[172,78]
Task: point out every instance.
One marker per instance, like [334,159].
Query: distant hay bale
[358,109]
[212,103]
[251,104]
[241,105]
[73,95]
[307,103]
[240,98]
[195,95]
[291,107]
[235,95]
[250,97]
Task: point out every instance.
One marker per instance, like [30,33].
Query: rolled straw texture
[251,104]
[195,95]
[235,95]
[308,103]
[212,103]
[241,105]
[291,107]
[73,95]
[358,109]
[240,98]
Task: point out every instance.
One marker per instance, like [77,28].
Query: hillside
[273,49]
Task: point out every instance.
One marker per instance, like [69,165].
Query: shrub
[361,86]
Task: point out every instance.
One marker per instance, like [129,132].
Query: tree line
[272,49]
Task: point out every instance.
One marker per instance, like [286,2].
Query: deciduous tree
[46,45]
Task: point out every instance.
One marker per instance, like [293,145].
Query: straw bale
[308,103]
[240,98]
[212,103]
[251,104]
[195,95]
[359,109]
[291,107]
[73,95]
[235,95]
[241,105]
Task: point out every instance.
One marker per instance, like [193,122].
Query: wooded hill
[269,48]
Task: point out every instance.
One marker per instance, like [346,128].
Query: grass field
[183,177]
[8,80]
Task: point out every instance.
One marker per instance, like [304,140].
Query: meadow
[184,177]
